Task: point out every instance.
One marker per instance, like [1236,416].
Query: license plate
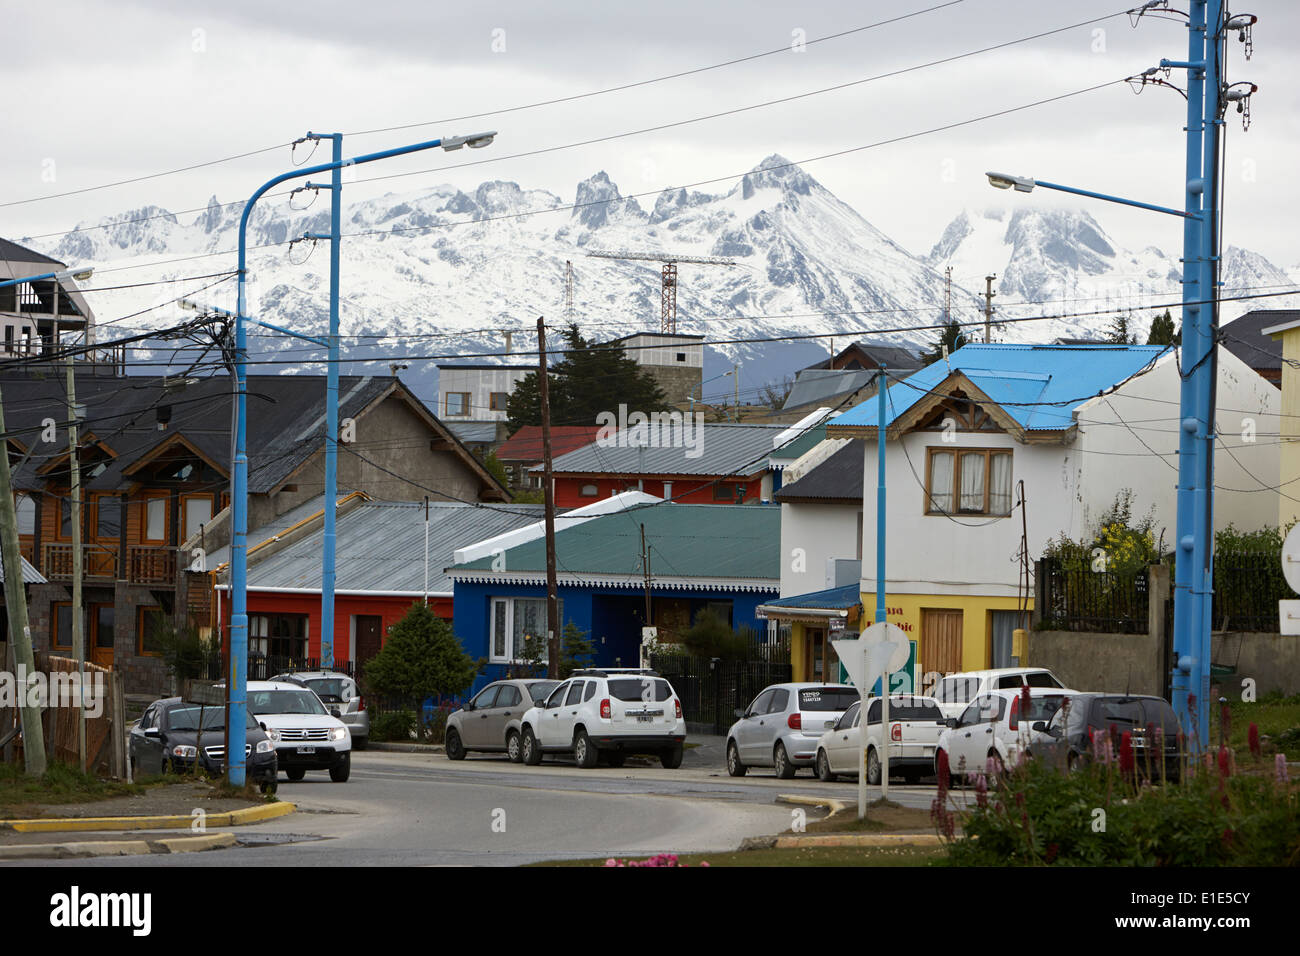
[306,750]
[644,718]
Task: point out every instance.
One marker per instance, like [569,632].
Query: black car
[1070,738]
[168,739]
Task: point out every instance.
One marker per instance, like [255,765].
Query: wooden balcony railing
[97,561]
[147,565]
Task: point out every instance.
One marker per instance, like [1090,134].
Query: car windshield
[539,690]
[329,689]
[827,698]
[284,702]
[1042,679]
[631,688]
[1117,710]
[913,708]
[1042,708]
[187,717]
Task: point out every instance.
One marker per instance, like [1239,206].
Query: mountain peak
[598,201]
[776,172]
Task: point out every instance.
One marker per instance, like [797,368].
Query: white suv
[306,736]
[605,714]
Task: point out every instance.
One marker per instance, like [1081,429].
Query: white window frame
[509,656]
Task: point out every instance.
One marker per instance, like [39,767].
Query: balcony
[145,565]
[151,565]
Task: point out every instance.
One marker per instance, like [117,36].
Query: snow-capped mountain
[447,271]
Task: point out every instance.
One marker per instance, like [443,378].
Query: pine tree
[1162,331]
[1119,333]
[951,336]
[576,650]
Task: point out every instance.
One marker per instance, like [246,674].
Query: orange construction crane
[668,294]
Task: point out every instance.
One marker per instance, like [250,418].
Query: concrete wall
[1114,663]
[1287,504]
[811,533]
[480,383]
[1272,661]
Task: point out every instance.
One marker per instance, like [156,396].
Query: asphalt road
[424,810]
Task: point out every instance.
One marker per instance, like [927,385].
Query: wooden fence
[60,717]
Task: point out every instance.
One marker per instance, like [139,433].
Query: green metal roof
[685,541]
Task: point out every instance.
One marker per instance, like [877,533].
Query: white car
[956,691]
[306,735]
[605,714]
[915,724]
[995,726]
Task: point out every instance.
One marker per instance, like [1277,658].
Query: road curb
[226,818]
[858,839]
[92,848]
[799,800]
[394,748]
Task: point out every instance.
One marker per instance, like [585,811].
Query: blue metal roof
[832,599]
[1039,386]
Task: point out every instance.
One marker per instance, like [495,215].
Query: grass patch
[882,817]
[1276,716]
[804,856]
[60,784]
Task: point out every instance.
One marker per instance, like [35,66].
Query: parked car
[605,714]
[306,735]
[782,726]
[1067,739]
[173,735]
[491,721]
[995,725]
[955,691]
[915,724]
[341,697]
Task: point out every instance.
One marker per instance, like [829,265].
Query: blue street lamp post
[237,676]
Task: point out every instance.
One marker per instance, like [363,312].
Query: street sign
[1291,558]
[893,653]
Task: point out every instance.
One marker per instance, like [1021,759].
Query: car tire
[513,750]
[734,767]
[781,762]
[360,743]
[873,767]
[295,773]
[340,772]
[530,752]
[824,768]
[671,759]
[1074,763]
[455,749]
[615,758]
[585,754]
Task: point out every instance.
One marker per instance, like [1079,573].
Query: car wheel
[512,746]
[529,750]
[585,753]
[781,762]
[455,749]
[824,768]
[341,772]
[1074,763]
[615,758]
[873,767]
[953,777]
[359,743]
[295,773]
[734,767]
[671,759]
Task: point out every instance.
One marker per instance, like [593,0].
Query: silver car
[341,697]
[491,721]
[780,729]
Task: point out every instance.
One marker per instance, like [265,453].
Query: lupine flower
[1052,850]
[991,767]
[1126,752]
[1280,769]
[981,790]
[1252,737]
[1225,767]
[944,774]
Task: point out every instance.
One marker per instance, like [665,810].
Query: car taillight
[361,704]
[896,732]
[604,708]
[795,721]
[1014,720]
[677,704]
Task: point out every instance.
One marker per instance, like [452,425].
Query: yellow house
[1288,332]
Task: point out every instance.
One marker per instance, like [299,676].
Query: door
[475,722]
[102,622]
[369,638]
[972,741]
[550,720]
[1003,624]
[747,732]
[940,640]
[566,716]
[842,745]
[146,751]
[815,664]
[507,705]
[771,724]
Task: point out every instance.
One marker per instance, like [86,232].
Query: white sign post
[881,650]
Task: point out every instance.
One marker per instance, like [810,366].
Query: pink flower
[1280,769]
[1225,767]
[981,790]
[1126,752]
[1252,736]
[944,774]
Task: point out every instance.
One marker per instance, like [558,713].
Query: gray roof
[30,574]
[820,385]
[380,547]
[1244,337]
[721,449]
[891,356]
[12,252]
[277,525]
[477,433]
[838,478]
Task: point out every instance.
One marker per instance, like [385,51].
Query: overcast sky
[99,92]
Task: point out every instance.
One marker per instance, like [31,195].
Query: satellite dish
[1291,558]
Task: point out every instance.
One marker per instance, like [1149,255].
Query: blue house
[725,558]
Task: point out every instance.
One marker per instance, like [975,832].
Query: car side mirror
[953,722]
[152,732]
[1040,726]
[469,705]
[742,714]
[262,724]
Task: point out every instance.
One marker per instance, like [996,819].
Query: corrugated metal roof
[526,444]
[30,574]
[275,526]
[832,599]
[1039,386]
[819,384]
[716,449]
[838,478]
[685,541]
[478,433]
[380,547]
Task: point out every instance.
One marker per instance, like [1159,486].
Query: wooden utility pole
[988,308]
[20,633]
[78,626]
[552,596]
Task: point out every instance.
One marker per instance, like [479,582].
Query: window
[969,481]
[509,696]
[149,620]
[63,626]
[575,692]
[196,511]
[155,519]
[487,697]
[555,698]
[759,706]
[108,517]
[65,518]
[780,700]
[724,492]
[103,618]
[26,505]
[277,635]
[590,491]
[456,403]
[591,691]
[515,623]
[497,401]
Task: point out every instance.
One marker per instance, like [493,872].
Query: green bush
[711,636]
[396,725]
[1038,815]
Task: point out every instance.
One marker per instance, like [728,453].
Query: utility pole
[648,627]
[78,625]
[947,295]
[988,308]
[20,633]
[552,597]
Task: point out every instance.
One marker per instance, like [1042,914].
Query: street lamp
[80,275]
[237,676]
[700,385]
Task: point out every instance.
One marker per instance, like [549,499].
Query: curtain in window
[498,629]
[941,481]
[1000,484]
[972,483]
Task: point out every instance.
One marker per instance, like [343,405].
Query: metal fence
[711,689]
[1080,599]
[1247,587]
[264,668]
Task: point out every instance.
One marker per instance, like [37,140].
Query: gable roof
[716,449]
[1027,389]
[691,546]
[1245,337]
[13,252]
[526,444]
[891,356]
[30,574]
[838,478]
